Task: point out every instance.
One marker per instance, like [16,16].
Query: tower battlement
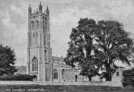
[38,11]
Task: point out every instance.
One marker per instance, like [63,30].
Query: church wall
[69,75]
[48,72]
[66,73]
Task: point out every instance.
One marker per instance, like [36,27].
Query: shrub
[128,77]
[18,77]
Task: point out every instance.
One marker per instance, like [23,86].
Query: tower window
[34,64]
[37,24]
[33,34]
[32,24]
[45,21]
[45,54]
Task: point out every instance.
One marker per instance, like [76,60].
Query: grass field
[57,88]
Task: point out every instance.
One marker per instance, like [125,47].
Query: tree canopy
[7,61]
[96,46]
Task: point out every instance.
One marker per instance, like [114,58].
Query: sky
[64,15]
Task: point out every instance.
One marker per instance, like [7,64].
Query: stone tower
[39,50]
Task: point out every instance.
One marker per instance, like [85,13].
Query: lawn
[57,88]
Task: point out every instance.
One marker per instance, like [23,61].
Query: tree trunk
[108,77]
[90,78]
[107,74]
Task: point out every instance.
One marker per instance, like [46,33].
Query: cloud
[15,9]
[61,26]
[14,30]
[8,23]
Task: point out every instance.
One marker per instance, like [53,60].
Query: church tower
[39,50]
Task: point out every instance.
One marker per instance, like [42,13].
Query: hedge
[128,77]
[18,77]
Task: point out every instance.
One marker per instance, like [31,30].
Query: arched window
[55,74]
[76,77]
[45,21]
[63,74]
[37,24]
[32,24]
[34,64]
[45,54]
[43,28]
[33,34]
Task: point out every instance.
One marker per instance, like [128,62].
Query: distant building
[21,70]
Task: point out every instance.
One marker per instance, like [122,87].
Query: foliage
[128,77]
[7,61]
[18,77]
[96,46]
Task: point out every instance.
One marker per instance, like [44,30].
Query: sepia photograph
[66,46]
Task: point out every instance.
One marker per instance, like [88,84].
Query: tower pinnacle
[47,11]
[40,8]
[29,9]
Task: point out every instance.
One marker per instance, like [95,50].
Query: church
[39,52]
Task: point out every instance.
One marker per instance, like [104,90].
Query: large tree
[7,61]
[97,46]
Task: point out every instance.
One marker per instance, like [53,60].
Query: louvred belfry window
[32,25]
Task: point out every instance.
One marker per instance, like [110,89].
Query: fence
[60,83]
